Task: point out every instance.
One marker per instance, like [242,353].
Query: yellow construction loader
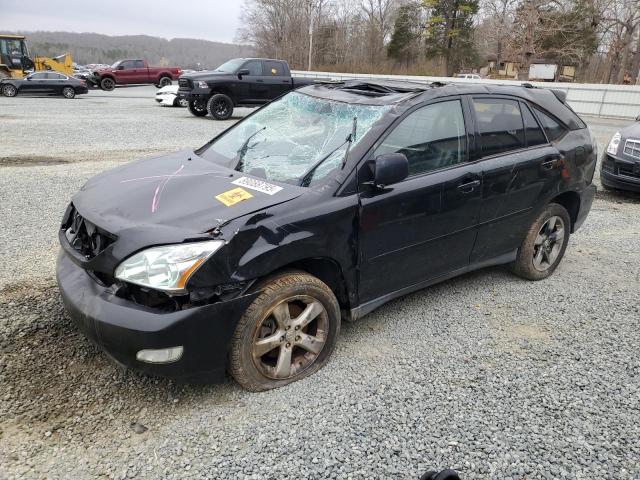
[15,61]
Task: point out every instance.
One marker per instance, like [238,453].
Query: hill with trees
[97,48]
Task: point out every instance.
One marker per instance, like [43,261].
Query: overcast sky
[206,19]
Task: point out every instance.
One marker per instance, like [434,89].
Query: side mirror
[389,168]
[243,72]
[638,118]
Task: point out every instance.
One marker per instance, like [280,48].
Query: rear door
[56,82]
[141,72]
[519,168]
[277,79]
[424,227]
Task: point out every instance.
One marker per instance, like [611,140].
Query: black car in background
[620,168]
[240,82]
[246,254]
[43,83]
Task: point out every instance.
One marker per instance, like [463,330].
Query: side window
[274,68]
[138,64]
[39,76]
[532,130]
[552,127]
[128,65]
[431,137]
[254,67]
[500,125]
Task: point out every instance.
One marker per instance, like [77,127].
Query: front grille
[85,237]
[632,148]
[628,170]
[184,82]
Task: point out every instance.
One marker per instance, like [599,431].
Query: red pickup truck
[127,72]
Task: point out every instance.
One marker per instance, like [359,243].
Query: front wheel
[198,108]
[220,106]
[107,84]
[9,91]
[543,248]
[68,92]
[286,334]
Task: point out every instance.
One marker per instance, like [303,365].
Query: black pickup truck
[240,82]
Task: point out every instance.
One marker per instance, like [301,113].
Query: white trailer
[542,71]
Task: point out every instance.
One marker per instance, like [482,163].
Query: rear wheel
[220,106]
[107,84]
[68,92]
[9,91]
[543,248]
[286,334]
[164,81]
[198,108]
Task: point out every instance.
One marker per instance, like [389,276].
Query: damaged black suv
[245,255]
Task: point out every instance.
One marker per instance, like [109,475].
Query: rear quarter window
[552,127]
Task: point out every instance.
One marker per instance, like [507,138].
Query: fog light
[162,355]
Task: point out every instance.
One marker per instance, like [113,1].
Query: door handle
[551,162]
[469,187]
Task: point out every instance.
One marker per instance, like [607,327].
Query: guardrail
[600,100]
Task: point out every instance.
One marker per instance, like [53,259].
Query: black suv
[245,254]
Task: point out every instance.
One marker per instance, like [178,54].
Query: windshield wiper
[244,148]
[305,179]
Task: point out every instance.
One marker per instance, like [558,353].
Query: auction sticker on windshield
[258,185]
[231,197]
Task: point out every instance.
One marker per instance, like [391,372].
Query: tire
[300,343]
[164,82]
[198,108]
[544,245]
[107,84]
[180,102]
[68,92]
[220,107]
[9,90]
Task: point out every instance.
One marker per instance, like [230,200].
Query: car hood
[209,74]
[175,196]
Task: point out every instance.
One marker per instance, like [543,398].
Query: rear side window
[254,67]
[500,125]
[533,132]
[551,126]
[274,68]
[432,137]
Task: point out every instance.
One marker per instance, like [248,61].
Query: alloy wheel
[221,108]
[548,243]
[68,92]
[290,338]
[9,91]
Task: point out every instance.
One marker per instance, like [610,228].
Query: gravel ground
[494,376]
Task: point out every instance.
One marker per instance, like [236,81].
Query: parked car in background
[246,254]
[469,76]
[241,82]
[43,83]
[620,167]
[168,97]
[136,71]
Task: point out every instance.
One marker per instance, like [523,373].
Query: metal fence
[600,100]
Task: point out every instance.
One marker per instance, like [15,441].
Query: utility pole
[310,34]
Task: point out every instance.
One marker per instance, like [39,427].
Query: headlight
[612,148]
[202,84]
[168,267]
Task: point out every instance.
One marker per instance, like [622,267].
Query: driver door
[36,83]
[425,226]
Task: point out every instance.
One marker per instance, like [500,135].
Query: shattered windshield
[298,139]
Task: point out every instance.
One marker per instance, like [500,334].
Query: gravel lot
[488,374]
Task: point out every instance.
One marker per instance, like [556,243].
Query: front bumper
[621,174]
[122,328]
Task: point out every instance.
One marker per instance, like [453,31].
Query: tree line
[600,38]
